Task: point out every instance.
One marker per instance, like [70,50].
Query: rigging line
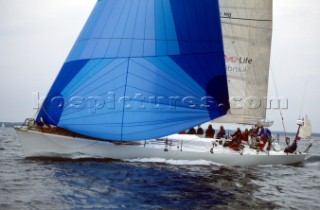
[39,106]
[303,97]
[277,94]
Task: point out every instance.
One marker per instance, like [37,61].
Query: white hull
[37,144]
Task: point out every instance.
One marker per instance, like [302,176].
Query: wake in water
[174,162]
[313,159]
[78,157]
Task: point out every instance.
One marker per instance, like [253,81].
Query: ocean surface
[152,184]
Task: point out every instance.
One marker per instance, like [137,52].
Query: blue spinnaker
[142,69]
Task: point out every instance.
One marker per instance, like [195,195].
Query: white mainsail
[306,130]
[247,33]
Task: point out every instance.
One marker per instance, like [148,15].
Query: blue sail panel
[91,70]
[142,69]
[52,106]
[104,81]
[162,121]
[161,77]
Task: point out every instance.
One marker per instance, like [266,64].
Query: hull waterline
[38,144]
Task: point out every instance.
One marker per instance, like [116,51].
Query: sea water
[152,183]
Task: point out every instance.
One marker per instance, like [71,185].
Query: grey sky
[36,37]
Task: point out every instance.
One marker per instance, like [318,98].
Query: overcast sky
[36,37]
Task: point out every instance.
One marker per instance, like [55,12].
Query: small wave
[174,162]
[67,157]
[72,156]
[313,159]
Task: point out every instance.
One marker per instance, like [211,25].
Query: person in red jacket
[236,140]
[245,135]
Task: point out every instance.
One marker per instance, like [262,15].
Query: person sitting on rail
[221,133]
[199,130]
[192,131]
[236,140]
[210,132]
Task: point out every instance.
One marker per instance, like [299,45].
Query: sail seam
[135,26]
[92,82]
[183,120]
[125,27]
[146,39]
[144,28]
[124,101]
[249,19]
[115,28]
[154,56]
[177,85]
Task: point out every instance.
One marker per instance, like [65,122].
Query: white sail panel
[306,130]
[247,33]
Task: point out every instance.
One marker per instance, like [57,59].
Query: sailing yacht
[141,71]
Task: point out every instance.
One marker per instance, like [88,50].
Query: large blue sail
[142,69]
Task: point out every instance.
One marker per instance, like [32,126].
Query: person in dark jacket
[221,133]
[192,131]
[199,130]
[292,148]
[210,132]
